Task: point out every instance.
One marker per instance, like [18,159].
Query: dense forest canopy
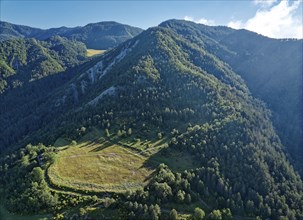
[181,101]
[102,35]
[27,60]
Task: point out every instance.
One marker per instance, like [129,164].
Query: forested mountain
[271,68]
[26,60]
[170,85]
[102,35]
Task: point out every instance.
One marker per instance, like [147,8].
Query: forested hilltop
[25,60]
[163,126]
[102,35]
[271,68]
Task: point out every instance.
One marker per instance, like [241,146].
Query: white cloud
[200,21]
[235,24]
[206,22]
[188,18]
[264,3]
[278,21]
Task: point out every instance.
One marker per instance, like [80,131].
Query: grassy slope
[98,167]
[100,164]
[93,52]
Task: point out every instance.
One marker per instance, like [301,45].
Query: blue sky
[274,18]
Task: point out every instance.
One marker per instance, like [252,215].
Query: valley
[165,123]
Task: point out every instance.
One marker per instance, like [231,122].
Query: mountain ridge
[100,35]
[26,60]
[269,67]
[171,87]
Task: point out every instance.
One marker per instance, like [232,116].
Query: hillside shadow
[102,144]
[176,160]
[101,147]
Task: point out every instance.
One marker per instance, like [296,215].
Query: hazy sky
[273,18]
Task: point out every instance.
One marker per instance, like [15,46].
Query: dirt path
[72,191]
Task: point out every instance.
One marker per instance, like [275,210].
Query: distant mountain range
[102,35]
[232,99]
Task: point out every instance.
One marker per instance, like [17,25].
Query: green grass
[93,52]
[102,213]
[93,135]
[177,161]
[146,147]
[100,164]
[99,167]
[60,142]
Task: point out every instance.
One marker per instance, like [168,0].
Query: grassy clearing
[100,164]
[60,142]
[99,167]
[93,52]
[177,161]
[102,213]
[145,147]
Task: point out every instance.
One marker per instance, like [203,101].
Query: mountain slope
[102,35]
[8,31]
[271,68]
[161,82]
[16,106]
[26,60]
